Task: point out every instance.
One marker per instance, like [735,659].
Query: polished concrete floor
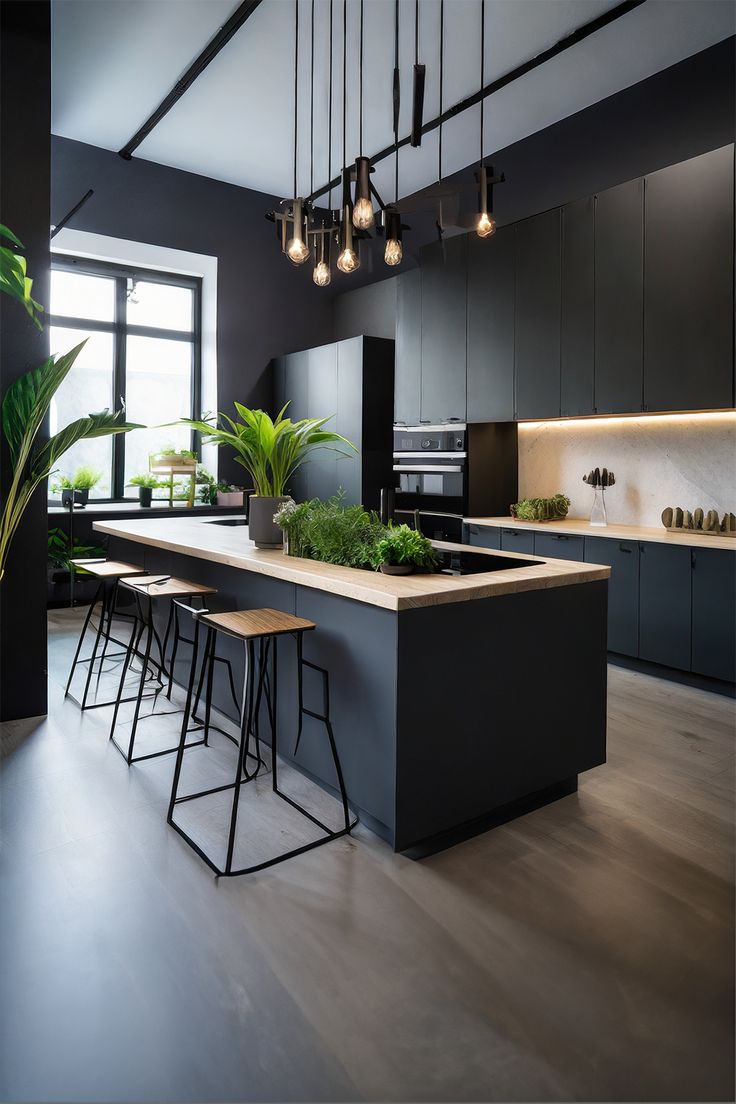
[584,952]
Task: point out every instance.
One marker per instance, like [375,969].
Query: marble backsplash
[662,460]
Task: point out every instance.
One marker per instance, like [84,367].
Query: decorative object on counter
[675,519]
[214,493]
[541,509]
[76,488]
[171,462]
[270,451]
[402,550]
[599,479]
[146,484]
[25,405]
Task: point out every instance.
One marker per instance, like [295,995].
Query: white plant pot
[229,498]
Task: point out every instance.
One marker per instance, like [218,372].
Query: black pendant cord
[397,99]
[311,111]
[329,116]
[344,78]
[416,32]
[482,70]
[360,117]
[296,86]
[442,81]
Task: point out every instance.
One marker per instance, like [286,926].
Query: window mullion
[119,384]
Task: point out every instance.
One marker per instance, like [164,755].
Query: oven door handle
[430,454]
[410,469]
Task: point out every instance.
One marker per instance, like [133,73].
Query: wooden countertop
[230,545]
[582,527]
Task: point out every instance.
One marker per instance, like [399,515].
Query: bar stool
[148,589]
[108,574]
[262,626]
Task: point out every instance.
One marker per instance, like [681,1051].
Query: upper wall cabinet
[577,340]
[537,329]
[619,298]
[408,373]
[444,289]
[490,344]
[688,284]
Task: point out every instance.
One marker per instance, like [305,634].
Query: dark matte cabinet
[577,334]
[713,616]
[623,590]
[518,540]
[688,284]
[444,293]
[664,605]
[321,469]
[538,307]
[619,298]
[490,337]
[559,546]
[482,536]
[408,370]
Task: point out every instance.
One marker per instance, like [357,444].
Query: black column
[25,154]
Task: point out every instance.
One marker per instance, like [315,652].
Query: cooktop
[477,563]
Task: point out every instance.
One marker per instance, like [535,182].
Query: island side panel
[498,699]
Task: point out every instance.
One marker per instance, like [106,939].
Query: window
[143,347]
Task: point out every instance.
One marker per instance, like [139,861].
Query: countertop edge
[579,527]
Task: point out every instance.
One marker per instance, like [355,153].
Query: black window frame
[121,329]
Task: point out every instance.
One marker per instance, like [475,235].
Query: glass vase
[598,513]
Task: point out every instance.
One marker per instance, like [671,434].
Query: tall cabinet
[352,382]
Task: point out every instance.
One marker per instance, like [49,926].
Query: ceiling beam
[198,66]
[578,35]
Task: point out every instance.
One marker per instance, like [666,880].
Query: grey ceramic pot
[397,569]
[262,529]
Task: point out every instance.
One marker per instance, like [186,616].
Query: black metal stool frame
[247,726]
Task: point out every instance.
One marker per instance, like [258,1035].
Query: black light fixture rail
[70,214]
[200,63]
[576,36]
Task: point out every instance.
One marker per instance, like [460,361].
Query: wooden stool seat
[250,624]
[161,586]
[108,569]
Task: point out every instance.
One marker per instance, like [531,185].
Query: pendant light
[321,274]
[297,248]
[486,224]
[348,259]
[394,252]
[363,216]
[419,75]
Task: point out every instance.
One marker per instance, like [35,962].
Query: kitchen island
[458,702]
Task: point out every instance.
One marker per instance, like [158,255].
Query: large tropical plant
[24,408]
[13,279]
[271,450]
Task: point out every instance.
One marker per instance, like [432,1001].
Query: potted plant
[402,550]
[227,495]
[170,462]
[76,488]
[271,451]
[146,484]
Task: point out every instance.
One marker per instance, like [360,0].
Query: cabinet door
[518,540]
[444,279]
[537,329]
[577,340]
[349,416]
[664,605]
[559,546]
[688,284]
[483,536]
[491,278]
[295,385]
[321,468]
[619,298]
[408,369]
[623,590]
[714,602]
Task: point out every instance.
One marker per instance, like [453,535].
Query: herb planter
[79,498]
[145,496]
[397,569]
[230,498]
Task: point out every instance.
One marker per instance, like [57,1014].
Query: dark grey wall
[370,311]
[25,123]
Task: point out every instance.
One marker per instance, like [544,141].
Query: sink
[227,521]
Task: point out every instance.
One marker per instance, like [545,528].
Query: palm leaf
[27,400]
[94,425]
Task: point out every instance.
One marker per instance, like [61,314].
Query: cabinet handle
[561,536]
[623,548]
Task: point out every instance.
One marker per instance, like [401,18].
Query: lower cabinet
[713,619]
[482,536]
[623,590]
[518,540]
[664,605]
[559,546]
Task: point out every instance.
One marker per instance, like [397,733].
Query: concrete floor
[584,952]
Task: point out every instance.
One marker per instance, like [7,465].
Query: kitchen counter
[225,544]
[580,527]
[456,702]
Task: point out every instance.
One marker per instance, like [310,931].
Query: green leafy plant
[61,554]
[541,509]
[83,479]
[24,408]
[331,532]
[13,279]
[270,450]
[402,545]
[145,479]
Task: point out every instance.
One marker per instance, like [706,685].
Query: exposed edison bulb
[393,252]
[322,274]
[297,250]
[486,225]
[363,214]
[348,260]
